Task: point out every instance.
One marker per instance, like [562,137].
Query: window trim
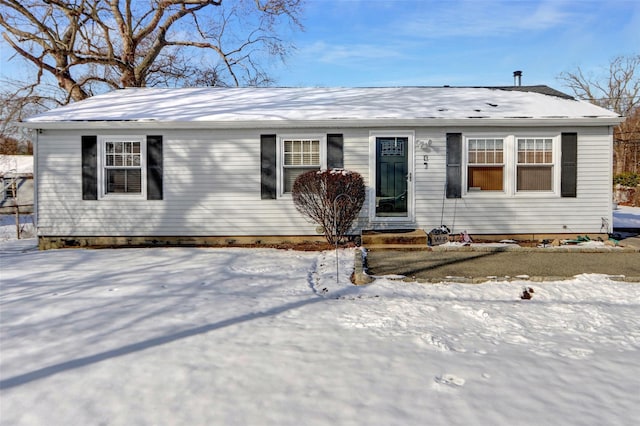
[101,172]
[510,164]
[466,192]
[280,167]
[411,187]
[555,165]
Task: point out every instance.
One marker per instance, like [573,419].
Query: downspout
[35,183]
[612,194]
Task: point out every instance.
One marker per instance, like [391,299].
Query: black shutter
[268,167]
[335,151]
[569,171]
[89,167]
[454,165]
[154,167]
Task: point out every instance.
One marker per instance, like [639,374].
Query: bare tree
[90,46]
[13,146]
[17,102]
[619,91]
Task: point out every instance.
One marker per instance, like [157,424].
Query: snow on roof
[21,164]
[327,104]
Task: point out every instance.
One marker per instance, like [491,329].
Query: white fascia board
[335,123]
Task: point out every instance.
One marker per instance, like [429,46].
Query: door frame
[410,217]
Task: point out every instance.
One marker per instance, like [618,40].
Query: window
[535,164]
[392,147]
[486,165]
[511,164]
[284,157]
[123,166]
[299,156]
[9,186]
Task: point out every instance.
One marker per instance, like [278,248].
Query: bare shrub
[331,198]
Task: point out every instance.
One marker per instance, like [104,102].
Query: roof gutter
[331,123]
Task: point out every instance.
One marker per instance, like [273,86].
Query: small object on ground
[465,238]
[438,236]
[527,293]
[450,379]
[444,229]
[579,239]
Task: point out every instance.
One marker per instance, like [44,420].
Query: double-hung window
[299,155]
[534,164]
[485,170]
[512,164]
[122,169]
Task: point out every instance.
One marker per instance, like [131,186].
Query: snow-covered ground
[8,229]
[626,217]
[188,336]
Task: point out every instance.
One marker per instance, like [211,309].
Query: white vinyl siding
[524,211]
[212,188]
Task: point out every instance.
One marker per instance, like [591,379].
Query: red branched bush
[330,198]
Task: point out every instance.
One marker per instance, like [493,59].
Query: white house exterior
[16,184]
[191,166]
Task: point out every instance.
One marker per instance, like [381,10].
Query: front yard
[260,336]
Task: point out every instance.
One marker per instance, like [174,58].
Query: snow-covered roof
[287,106]
[20,164]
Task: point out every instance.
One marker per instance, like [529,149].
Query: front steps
[395,239]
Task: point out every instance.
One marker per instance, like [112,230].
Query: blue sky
[450,42]
[476,42]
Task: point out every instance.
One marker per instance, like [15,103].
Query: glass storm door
[391,176]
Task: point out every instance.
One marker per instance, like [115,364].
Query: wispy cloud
[486,18]
[430,23]
[392,42]
[327,52]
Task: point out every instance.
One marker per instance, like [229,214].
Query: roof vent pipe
[517,78]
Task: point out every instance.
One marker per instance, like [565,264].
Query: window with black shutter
[569,171]
[122,167]
[268,181]
[454,165]
[284,158]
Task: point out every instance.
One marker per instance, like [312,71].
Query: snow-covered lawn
[187,336]
[8,229]
[626,217]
